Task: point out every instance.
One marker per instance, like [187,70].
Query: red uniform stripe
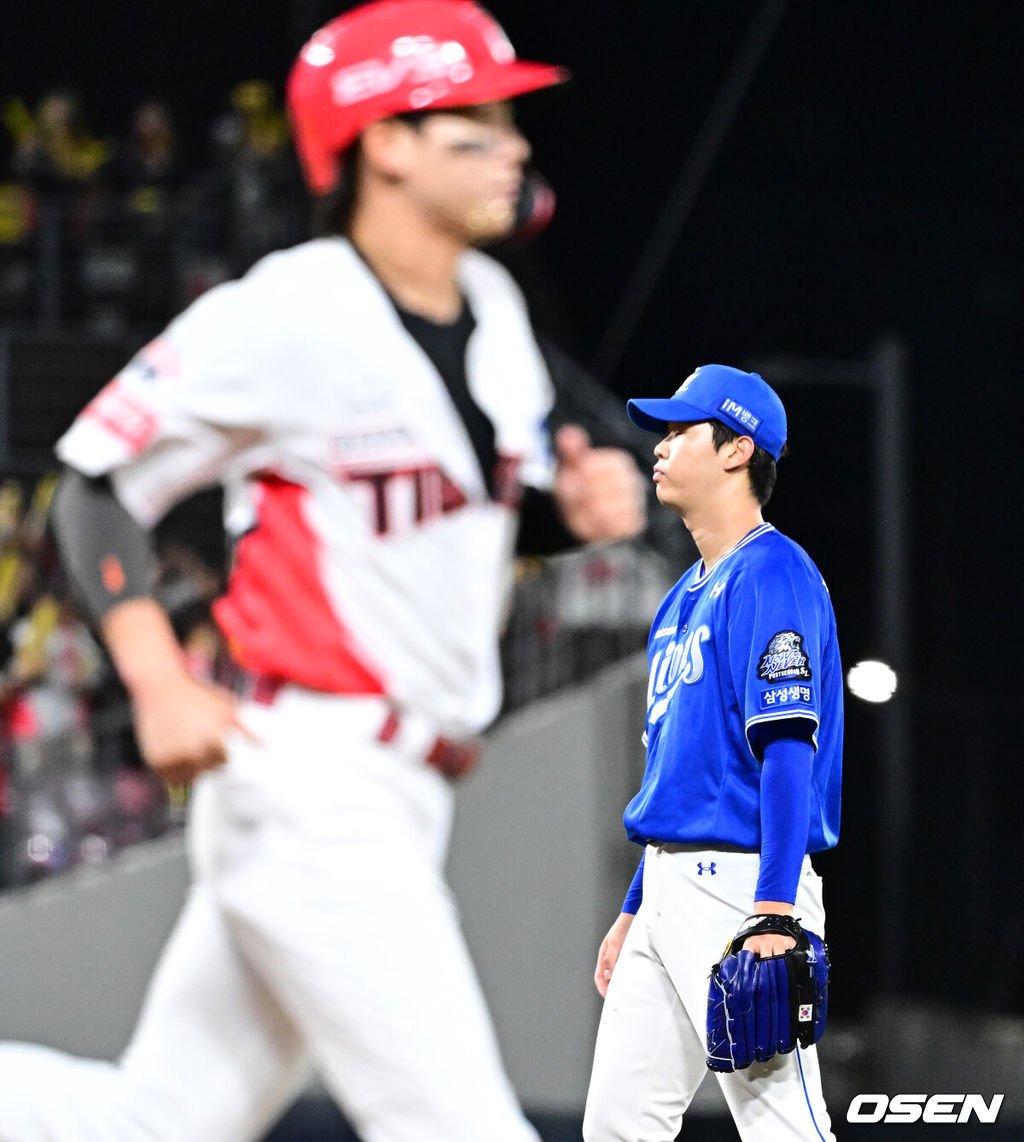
[276,616]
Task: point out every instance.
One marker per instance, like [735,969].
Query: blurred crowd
[107,235]
[112,232]
[72,787]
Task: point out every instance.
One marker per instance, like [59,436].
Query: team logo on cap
[414,59]
[686,384]
[784,657]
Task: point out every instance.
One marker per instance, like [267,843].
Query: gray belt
[709,847]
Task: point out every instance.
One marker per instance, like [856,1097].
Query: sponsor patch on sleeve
[122,416]
[784,658]
[779,696]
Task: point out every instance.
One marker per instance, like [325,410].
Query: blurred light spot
[871,681]
[94,849]
[39,848]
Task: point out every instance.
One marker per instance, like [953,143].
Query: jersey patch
[784,658]
[787,696]
[123,416]
[154,362]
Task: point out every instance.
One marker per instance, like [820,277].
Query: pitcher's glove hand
[758,1007]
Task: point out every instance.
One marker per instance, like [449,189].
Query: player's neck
[717,533]
[415,263]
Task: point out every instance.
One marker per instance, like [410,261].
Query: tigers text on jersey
[370,558]
[751,641]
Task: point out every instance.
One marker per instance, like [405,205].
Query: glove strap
[772,922]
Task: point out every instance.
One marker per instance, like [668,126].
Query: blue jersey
[750,642]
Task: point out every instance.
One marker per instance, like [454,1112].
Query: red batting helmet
[391,56]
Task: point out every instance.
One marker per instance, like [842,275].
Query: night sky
[869,187]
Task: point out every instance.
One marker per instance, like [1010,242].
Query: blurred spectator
[26,553]
[57,161]
[145,179]
[54,663]
[72,787]
[149,165]
[124,234]
[17,214]
[54,795]
[140,811]
[253,191]
[56,153]
[14,569]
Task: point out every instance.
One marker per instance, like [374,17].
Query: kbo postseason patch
[784,658]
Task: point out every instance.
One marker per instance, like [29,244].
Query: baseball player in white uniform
[374,403]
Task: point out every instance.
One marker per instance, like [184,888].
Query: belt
[699,847]
[455,759]
[259,688]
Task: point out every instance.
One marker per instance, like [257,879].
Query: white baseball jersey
[370,558]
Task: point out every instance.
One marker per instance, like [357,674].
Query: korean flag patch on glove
[758,1007]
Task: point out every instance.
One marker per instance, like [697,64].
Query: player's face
[467,169]
[688,471]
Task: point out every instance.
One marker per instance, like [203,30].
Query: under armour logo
[706,868]
[717,589]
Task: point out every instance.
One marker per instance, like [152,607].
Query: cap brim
[517,78]
[655,413]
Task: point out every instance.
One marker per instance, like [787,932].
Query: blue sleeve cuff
[635,895]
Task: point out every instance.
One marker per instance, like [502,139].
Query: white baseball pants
[650,1053]
[319,928]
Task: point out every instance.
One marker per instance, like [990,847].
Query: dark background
[868,187]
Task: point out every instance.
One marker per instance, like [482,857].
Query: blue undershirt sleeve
[635,895]
[785,816]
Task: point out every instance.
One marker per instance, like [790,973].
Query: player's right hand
[180,722]
[181,726]
[608,953]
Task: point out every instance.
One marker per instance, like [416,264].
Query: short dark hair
[761,469]
[332,213]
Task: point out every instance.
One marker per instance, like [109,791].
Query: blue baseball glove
[761,1007]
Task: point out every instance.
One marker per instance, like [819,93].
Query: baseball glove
[761,1007]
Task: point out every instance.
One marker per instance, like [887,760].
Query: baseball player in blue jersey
[742,779]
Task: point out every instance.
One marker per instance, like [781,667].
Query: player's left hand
[599,491]
[770,943]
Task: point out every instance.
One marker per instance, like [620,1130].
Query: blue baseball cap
[743,401]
